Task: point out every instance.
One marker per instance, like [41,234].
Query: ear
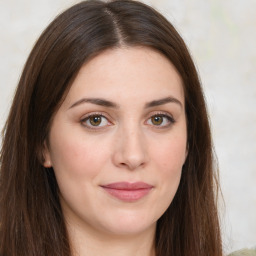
[186,153]
[47,163]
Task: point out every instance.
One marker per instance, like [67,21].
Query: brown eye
[160,121]
[95,120]
[157,120]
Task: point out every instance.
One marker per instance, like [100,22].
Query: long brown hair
[32,223]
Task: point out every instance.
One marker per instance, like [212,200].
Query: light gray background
[221,35]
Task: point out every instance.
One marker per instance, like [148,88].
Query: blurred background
[221,36]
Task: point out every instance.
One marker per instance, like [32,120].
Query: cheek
[75,156]
[171,154]
[169,159]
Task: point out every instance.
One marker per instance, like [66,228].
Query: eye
[94,121]
[160,120]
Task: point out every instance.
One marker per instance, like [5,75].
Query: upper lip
[128,185]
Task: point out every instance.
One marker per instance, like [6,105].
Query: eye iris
[157,120]
[95,120]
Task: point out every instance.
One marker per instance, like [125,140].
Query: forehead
[137,72]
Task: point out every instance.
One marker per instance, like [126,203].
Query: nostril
[131,152]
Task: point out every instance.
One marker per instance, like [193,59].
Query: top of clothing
[244,252]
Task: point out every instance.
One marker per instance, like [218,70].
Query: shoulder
[244,252]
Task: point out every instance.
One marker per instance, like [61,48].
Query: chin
[130,224]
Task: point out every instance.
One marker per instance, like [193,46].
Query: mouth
[128,192]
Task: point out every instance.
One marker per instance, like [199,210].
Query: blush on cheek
[171,155]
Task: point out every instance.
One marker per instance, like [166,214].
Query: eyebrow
[163,101]
[96,101]
[110,104]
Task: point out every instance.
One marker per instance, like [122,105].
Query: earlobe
[186,154]
[47,163]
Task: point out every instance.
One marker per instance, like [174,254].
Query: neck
[86,243]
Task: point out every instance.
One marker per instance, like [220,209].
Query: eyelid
[163,114]
[91,114]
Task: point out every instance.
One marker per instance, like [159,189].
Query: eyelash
[90,126]
[168,118]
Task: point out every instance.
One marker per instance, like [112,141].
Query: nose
[131,150]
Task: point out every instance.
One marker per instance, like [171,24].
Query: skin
[126,144]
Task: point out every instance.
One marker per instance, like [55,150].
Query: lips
[127,191]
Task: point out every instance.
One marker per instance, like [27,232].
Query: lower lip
[128,195]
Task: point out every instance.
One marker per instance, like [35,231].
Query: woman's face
[118,142]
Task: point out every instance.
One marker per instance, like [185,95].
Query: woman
[107,148]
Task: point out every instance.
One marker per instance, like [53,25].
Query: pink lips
[127,191]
